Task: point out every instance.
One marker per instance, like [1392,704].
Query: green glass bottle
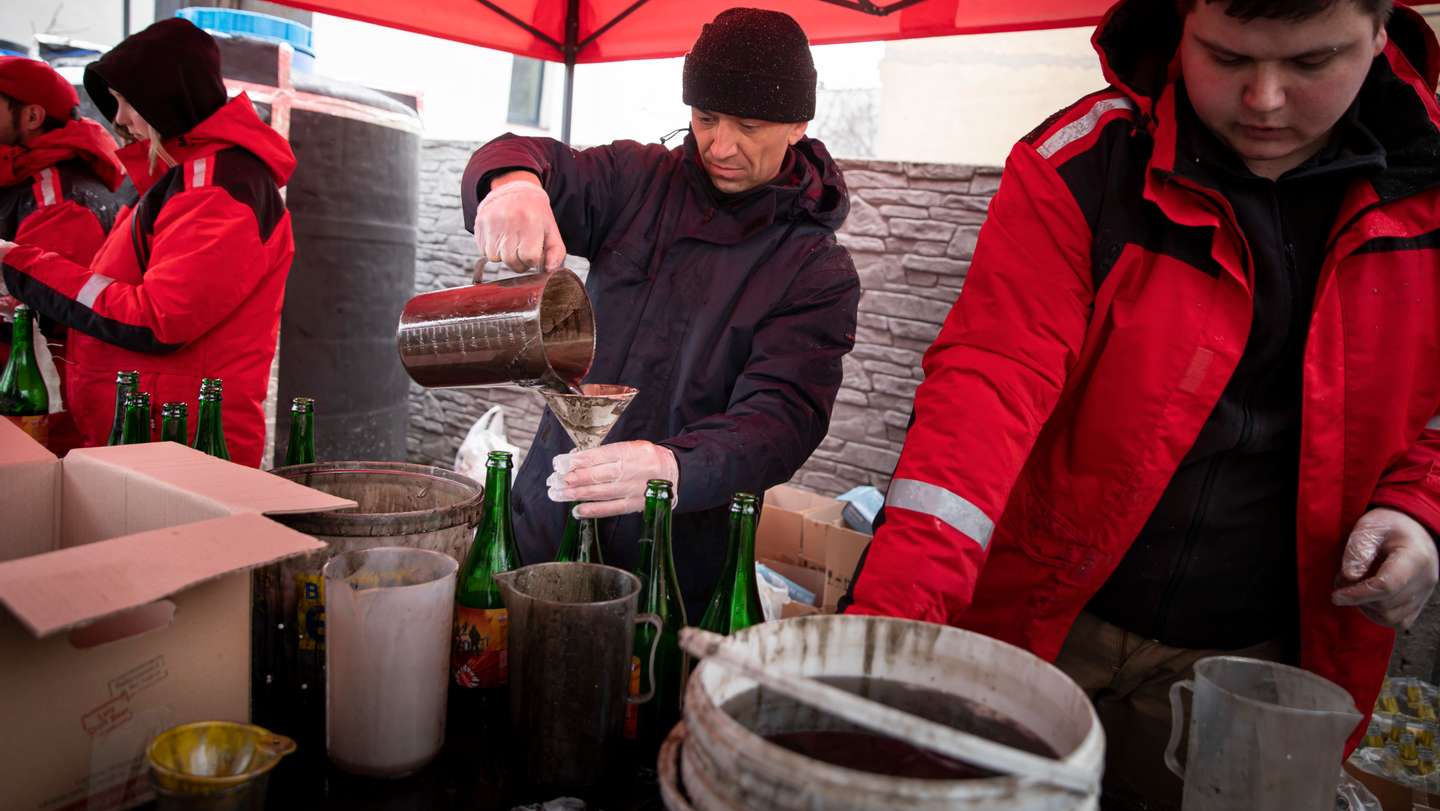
[210,429]
[23,397]
[736,601]
[660,595]
[478,651]
[580,540]
[126,383]
[300,450]
[138,428]
[175,423]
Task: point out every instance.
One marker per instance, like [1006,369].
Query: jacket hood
[170,74]
[233,125]
[1139,41]
[810,186]
[1138,44]
[80,139]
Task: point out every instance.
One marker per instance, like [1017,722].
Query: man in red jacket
[1188,400]
[58,178]
[191,280]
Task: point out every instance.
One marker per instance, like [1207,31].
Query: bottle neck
[137,422]
[301,448]
[746,561]
[21,332]
[174,427]
[497,501]
[209,417]
[659,530]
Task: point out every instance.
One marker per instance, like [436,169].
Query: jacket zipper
[1192,534]
[1202,505]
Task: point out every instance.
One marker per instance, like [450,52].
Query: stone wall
[911,231]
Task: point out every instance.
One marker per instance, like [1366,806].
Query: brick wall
[911,231]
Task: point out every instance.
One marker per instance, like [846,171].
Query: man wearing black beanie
[719,292]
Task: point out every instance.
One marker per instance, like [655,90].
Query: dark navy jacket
[729,314]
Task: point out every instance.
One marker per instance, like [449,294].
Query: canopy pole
[572,47]
[569,101]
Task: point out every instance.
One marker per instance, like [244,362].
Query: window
[527,83]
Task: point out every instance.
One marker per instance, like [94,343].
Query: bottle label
[632,711]
[310,611]
[478,653]
[38,427]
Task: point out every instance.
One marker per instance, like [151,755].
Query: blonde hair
[147,133]
[157,149]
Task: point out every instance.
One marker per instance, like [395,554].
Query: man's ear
[797,132]
[32,117]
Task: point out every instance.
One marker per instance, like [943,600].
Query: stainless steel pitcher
[535,330]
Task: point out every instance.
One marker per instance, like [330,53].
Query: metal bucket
[535,330]
[398,504]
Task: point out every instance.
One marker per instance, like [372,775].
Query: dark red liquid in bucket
[812,733]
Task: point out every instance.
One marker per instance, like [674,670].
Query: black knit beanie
[170,74]
[752,63]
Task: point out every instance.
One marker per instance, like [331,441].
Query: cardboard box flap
[237,488]
[17,447]
[60,590]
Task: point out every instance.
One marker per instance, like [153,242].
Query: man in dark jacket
[1197,356]
[719,292]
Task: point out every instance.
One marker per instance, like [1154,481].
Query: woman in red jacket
[190,282]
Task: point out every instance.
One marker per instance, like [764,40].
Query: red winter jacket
[188,285]
[57,191]
[1106,307]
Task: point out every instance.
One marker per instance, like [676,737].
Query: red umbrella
[572,32]
[613,30]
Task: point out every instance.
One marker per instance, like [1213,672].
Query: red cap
[34,82]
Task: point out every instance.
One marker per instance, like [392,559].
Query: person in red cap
[58,182]
[191,280]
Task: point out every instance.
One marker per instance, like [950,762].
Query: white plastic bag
[1351,795]
[486,435]
[773,594]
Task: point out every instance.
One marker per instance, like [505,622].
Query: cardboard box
[126,598]
[837,547]
[778,535]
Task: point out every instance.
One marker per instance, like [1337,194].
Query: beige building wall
[969,99]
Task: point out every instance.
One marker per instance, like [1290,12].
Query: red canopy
[577,31]
[612,30]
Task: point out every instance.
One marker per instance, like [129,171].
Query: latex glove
[1391,563]
[515,225]
[611,478]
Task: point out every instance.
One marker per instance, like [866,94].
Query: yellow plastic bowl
[209,757]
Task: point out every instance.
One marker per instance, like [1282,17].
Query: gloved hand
[611,478]
[515,225]
[1391,563]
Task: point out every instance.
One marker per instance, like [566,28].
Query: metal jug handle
[1177,723]
[654,621]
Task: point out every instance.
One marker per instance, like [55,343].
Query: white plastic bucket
[726,767]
